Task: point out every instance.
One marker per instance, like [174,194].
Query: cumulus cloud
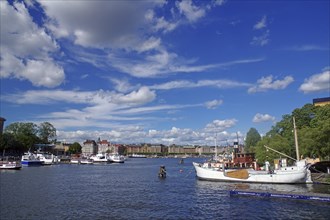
[220,125]
[317,83]
[261,24]
[263,118]
[141,96]
[191,11]
[139,134]
[33,61]
[267,83]
[213,104]
[261,40]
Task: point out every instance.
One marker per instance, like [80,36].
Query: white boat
[293,174]
[100,158]
[86,161]
[137,156]
[75,160]
[10,165]
[30,159]
[48,159]
[116,158]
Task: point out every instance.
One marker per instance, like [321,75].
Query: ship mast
[215,150]
[296,138]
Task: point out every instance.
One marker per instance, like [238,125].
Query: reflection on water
[133,191]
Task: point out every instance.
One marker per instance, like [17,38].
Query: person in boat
[162,172]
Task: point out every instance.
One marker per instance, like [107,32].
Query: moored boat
[100,158]
[47,159]
[298,173]
[30,159]
[137,156]
[75,160]
[10,165]
[86,161]
[288,175]
[116,158]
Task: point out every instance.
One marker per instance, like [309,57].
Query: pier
[286,195]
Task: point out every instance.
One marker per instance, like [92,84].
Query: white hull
[116,158]
[48,159]
[86,161]
[289,176]
[100,158]
[10,165]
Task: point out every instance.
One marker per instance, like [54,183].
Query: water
[133,191]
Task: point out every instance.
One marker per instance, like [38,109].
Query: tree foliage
[22,136]
[75,148]
[252,138]
[47,133]
[313,129]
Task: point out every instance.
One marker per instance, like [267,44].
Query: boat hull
[32,163]
[10,165]
[284,177]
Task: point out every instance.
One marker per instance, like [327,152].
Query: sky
[162,72]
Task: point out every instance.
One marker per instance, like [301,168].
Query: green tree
[9,145]
[46,132]
[75,148]
[276,142]
[313,128]
[24,133]
[252,138]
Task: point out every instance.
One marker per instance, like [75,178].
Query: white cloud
[141,96]
[267,83]
[73,20]
[191,11]
[33,61]
[317,83]
[213,104]
[263,118]
[220,125]
[163,62]
[261,24]
[222,84]
[261,40]
[307,47]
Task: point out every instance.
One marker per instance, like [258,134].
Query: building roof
[325,99]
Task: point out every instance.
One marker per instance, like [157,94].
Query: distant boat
[137,156]
[10,165]
[100,158]
[47,159]
[75,160]
[116,158]
[30,159]
[86,161]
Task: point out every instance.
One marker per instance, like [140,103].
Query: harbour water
[133,191]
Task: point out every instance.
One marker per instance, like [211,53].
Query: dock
[286,195]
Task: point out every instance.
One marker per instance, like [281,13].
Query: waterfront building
[104,146]
[2,122]
[89,147]
[321,101]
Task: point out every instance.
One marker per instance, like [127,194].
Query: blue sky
[164,72]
